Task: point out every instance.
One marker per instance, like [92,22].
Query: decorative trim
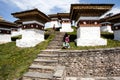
[29,22]
[88,23]
[115,28]
[32,26]
[5,32]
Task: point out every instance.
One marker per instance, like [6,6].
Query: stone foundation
[91,63]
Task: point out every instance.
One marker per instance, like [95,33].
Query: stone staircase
[56,43]
[56,64]
[46,66]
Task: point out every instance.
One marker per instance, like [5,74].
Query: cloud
[46,6]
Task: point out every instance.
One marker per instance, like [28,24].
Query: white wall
[66,27]
[16,33]
[89,36]
[56,23]
[29,22]
[51,24]
[106,29]
[117,35]
[30,38]
[4,38]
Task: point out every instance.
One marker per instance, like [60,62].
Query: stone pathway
[56,43]
[46,65]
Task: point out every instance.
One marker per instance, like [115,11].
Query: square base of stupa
[117,35]
[30,38]
[66,30]
[5,38]
[91,42]
[89,36]
[106,29]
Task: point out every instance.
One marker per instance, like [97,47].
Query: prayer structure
[32,27]
[65,22]
[16,31]
[55,22]
[106,27]
[87,18]
[61,20]
[115,20]
[6,28]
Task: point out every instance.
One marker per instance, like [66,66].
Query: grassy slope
[109,36]
[14,61]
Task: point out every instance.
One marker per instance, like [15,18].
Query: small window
[36,26]
[116,27]
[31,25]
[24,26]
[95,23]
[8,31]
[84,22]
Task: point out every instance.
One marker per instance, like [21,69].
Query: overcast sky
[47,6]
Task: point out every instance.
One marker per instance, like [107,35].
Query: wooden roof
[32,14]
[63,15]
[60,15]
[4,23]
[113,19]
[78,10]
[53,16]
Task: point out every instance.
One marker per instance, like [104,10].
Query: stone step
[41,68]
[54,47]
[56,42]
[47,55]
[58,38]
[60,73]
[47,62]
[37,76]
[93,78]
[50,51]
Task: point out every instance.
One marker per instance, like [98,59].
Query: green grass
[109,36]
[15,61]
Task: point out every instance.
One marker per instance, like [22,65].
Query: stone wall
[91,63]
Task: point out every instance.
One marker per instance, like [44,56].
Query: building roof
[32,14]
[114,18]
[53,16]
[1,18]
[64,15]
[78,10]
[8,24]
[60,15]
